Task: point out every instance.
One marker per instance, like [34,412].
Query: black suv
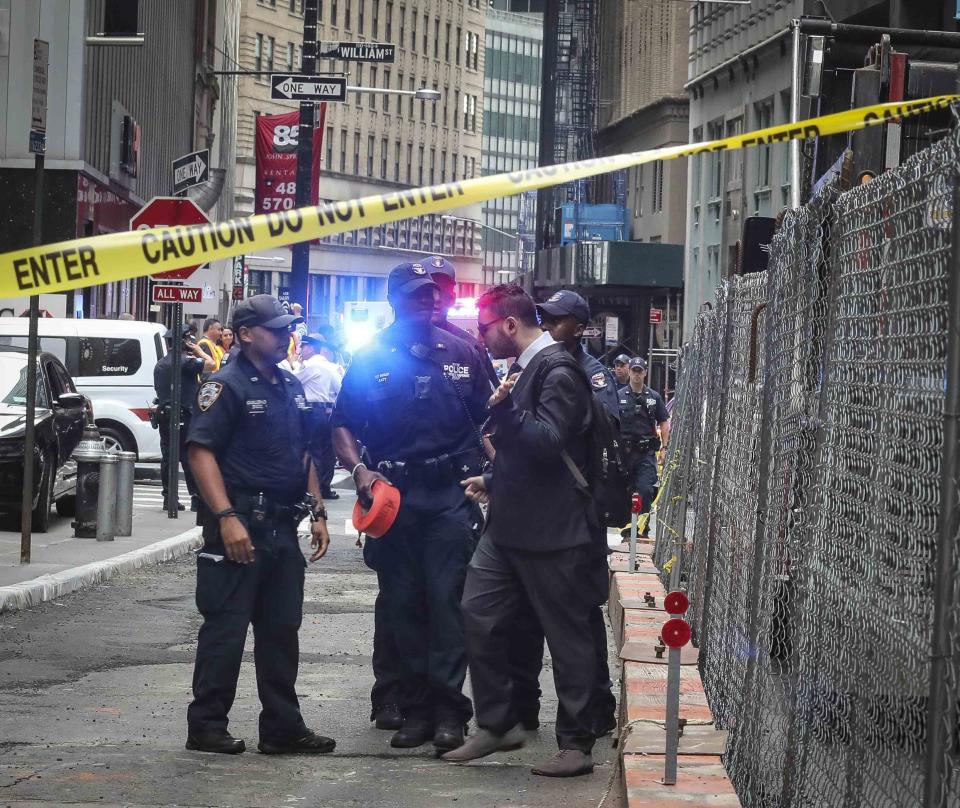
[60,417]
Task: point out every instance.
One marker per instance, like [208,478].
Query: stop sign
[167,211]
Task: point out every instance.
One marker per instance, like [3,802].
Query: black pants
[643,469]
[269,594]
[165,429]
[421,566]
[324,459]
[498,579]
[387,668]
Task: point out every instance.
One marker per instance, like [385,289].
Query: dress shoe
[309,744]
[413,733]
[566,763]
[448,735]
[388,716]
[330,494]
[486,743]
[219,741]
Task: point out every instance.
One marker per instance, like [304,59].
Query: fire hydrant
[87,454]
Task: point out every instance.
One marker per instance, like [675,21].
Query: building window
[299,57]
[386,84]
[715,132]
[409,161]
[410,87]
[373,83]
[453,166]
[433,166]
[383,158]
[426,25]
[333,12]
[389,32]
[764,119]
[396,162]
[270,3]
[446,46]
[343,151]
[420,166]
[433,107]
[446,105]
[375,21]
[456,107]
[356,154]
[360,19]
[370,155]
[658,186]
[348,14]
[403,26]
[258,55]
[443,165]
[459,39]
[413,30]
[290,53]
[436,38]
[473,169]
[329,162]
[268,55]
[296,6]
[466,166]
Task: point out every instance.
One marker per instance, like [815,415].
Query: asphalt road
[94,688]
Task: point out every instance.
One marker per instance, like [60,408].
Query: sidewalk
[60,563]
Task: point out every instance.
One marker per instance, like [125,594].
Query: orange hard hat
[382,514]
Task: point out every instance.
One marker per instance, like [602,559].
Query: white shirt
[541,342]
[320,379]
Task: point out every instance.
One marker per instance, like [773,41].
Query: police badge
[209,392]
[419,270]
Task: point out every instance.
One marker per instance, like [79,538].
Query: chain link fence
[807,488]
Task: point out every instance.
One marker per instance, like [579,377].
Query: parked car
[60,417]
[112,362]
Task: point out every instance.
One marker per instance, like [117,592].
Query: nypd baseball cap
[637,362]
[262,310]
[407,278]
[314,340]
[438,265]
[622,359]
[566,302]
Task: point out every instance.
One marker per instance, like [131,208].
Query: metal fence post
[941,703]
[124,523]
[107,500]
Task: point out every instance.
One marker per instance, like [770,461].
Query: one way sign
[190,170]
[307,88]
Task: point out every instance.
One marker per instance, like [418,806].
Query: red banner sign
[276,149]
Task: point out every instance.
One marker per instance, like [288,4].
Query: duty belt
[645,445]
[259,507]
[440,470]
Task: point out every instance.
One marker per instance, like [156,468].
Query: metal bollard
[107,500]
[87,454]
[124,523]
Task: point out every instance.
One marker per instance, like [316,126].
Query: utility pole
[300,253]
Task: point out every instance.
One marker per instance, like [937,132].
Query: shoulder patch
[599,380]
[207,395]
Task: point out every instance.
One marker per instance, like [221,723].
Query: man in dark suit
[536,547]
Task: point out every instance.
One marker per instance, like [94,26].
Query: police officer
[193,362]
[621,369]
[412,398]
[248,450]
[641,414]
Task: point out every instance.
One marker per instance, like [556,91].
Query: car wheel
[41,514]
[115,440]
[67,506]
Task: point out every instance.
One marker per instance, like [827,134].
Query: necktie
[514,368]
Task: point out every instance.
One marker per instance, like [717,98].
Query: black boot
[413,733]
[388,716]
[216,740]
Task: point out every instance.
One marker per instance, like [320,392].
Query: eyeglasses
[483,328]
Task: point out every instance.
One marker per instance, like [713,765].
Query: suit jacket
[534,503]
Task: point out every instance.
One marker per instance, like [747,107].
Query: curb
[55,585]
[701,779]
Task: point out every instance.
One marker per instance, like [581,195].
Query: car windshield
[13,381]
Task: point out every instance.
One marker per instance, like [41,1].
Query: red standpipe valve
[636,503]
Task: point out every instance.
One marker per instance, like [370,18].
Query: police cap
[314,340]
[185,329]
[440,266]
[622,359]
[566,302]
[637,363]
[407,278]
[263,310]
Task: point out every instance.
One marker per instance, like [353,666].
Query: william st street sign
[307,88]
[358,51]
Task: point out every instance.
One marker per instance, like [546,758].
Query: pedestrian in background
[642,414]
[193,363]
[413,398]
[537,546]
[228,344]
[210,341]
[248,450]
[321,384]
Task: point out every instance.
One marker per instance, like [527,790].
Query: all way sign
[307,88]
[190,170]
[358,51]
[177,294]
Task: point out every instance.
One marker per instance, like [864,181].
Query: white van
[112,362]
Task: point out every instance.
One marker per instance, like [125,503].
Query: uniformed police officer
[621,369]
[641,414]
[248,450]
[193,362]
[412,398]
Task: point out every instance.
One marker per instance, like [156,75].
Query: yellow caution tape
[118,256]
